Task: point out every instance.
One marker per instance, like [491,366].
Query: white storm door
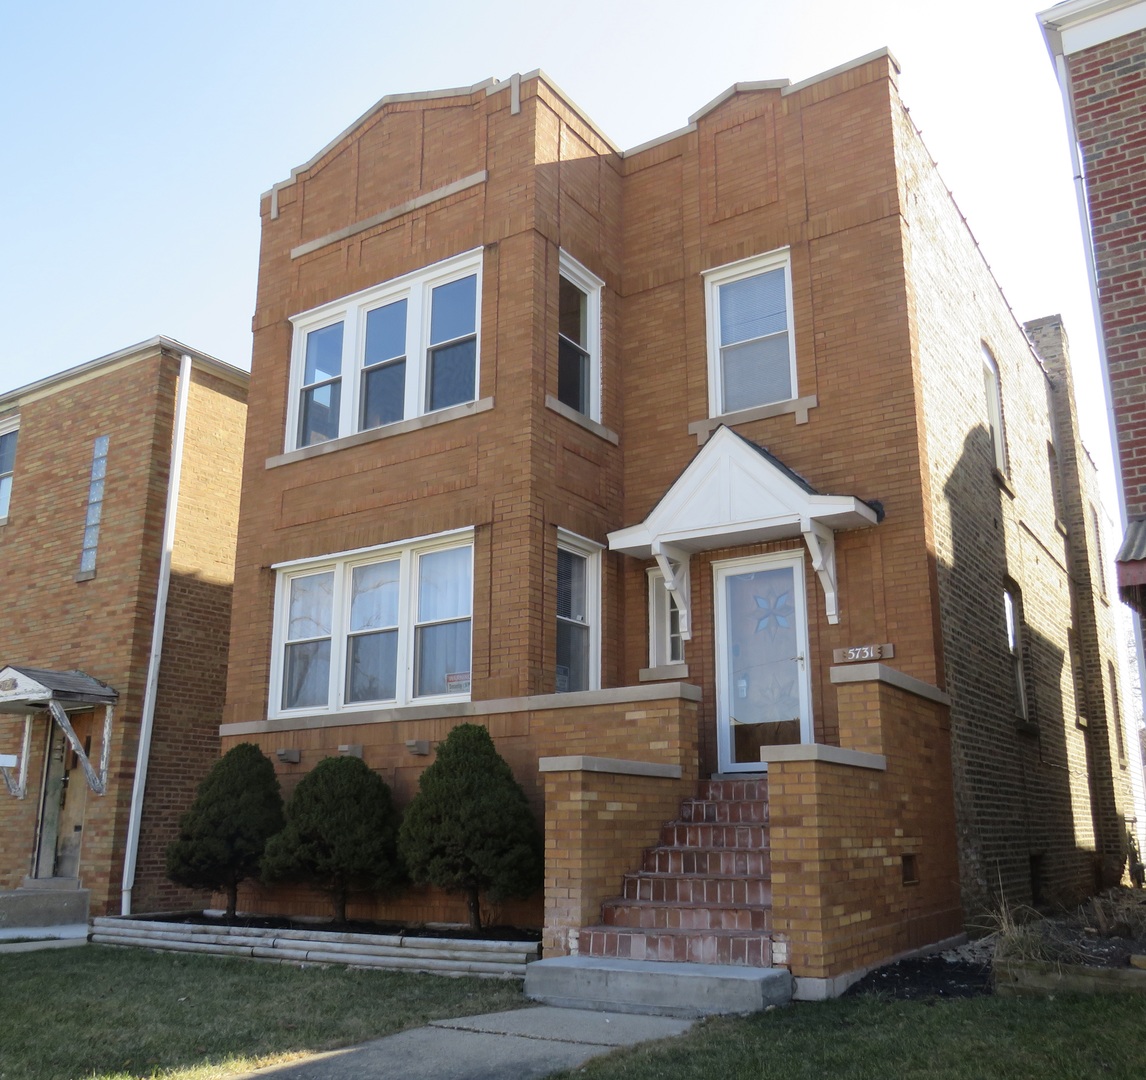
[763,695]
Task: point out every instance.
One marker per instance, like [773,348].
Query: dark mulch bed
[352,926]
[925,977]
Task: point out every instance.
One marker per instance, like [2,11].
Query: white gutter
[147,720]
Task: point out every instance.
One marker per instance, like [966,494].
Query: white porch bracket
[821,543]
[19,786]
[674,567]
[96,781]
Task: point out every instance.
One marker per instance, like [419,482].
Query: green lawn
[111,1013]
[985,1038]
[115,1014]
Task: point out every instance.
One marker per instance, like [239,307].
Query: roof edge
[159,342]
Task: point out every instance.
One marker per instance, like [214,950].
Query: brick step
[707,862]
[733,947]
[651,915]
[748,811]
[750,790]
[697,889]
[737,837]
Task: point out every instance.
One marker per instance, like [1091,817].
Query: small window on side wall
[94,514]
[666,645]
[751,348]
[1013,612]
[579,339]
[994,401]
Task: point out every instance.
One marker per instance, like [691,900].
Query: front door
[64,803]
[761,658]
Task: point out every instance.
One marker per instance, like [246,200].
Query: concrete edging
[439,956]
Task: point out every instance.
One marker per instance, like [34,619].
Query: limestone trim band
[616,766]
[857,673]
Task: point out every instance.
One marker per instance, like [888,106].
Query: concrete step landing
[656,988]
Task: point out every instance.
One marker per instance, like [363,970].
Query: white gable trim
[730,495]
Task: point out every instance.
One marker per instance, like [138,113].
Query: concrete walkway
[523,1044]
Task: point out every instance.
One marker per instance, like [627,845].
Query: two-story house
[119,490]
[714,477]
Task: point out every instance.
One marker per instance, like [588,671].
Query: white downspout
[147,720]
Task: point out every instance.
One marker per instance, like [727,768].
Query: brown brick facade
[101,623]
[891,306]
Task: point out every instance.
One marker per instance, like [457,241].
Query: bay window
[389,625]
[392,352]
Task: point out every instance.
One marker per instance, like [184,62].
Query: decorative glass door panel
[761,659]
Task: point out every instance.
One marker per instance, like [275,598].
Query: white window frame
[407,553]
[591,285]
[1013,616]
[416,288]
[7,427]
[591,553]
[993,393]
[661,603]
[718,276]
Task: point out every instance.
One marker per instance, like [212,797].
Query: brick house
[119,489]
[714,477]
[1098,48]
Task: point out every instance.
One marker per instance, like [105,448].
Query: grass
[864,1038]
[114,1014]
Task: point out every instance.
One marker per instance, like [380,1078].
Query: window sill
[402,427]
[1062,528]
[1026,727]
[581,420]
[1003,482]
[665,671]
[84,575]
[798,407]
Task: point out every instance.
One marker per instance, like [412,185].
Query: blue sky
[137,137]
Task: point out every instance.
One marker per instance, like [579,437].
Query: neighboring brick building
[720,454]
[89,501]
[1099,51]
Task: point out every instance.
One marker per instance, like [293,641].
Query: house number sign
[857,653]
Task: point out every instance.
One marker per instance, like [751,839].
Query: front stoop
[691,933]
[703,895]
[657,988]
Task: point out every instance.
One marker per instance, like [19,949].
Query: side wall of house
[59,619]
[1022,789]
[193,672]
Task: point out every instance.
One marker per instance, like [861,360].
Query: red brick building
[1098,48]
[721,457]
[119,488]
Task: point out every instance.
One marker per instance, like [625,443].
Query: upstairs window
[9,429]
[94,514]
[579,339]
[1099,557]
[393,352]
[994,402]
[751,352]
[391,625]
[1012,608]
